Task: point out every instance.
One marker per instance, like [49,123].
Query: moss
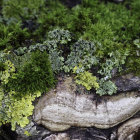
[35,75]
[133,65]
[2,66]
[12,36]
[91,19]
[22,9]
[50,17]
[124,22]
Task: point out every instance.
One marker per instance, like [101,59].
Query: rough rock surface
[127,82]
[129,129]
[60,136]
[36,132]
[62,108]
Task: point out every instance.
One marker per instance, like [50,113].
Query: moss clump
[35,75]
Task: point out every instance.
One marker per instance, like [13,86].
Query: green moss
[123,22]
[93,20]
[50,17]
[2,66]
[22,9]
[133,65]
[35,75]
[12,36]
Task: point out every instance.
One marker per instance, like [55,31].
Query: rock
[128,82]
[62,108]
[36,132]
[91,133]
[96,134]
[129,129]
[80,134]
[113,136]
[60,136]
[30,128]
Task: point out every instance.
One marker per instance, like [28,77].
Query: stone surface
[62,108]
[88,134]
[127,82]
[80,134]
[36,132]
[60,136]
[129,129]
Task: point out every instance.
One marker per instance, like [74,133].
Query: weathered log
[62,108]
